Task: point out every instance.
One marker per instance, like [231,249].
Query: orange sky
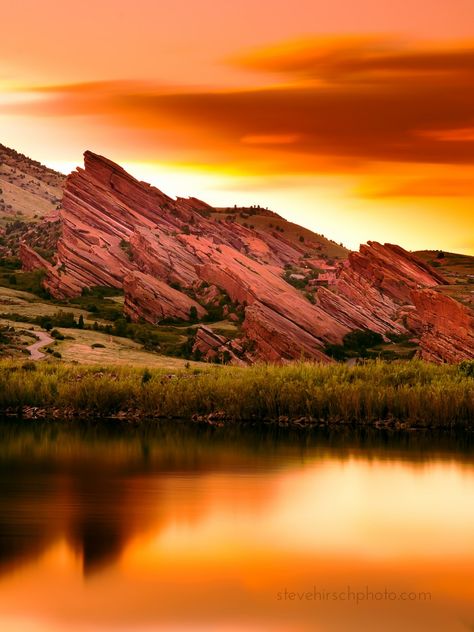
[354,118]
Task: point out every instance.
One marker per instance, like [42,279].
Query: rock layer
[392,270]
[215,348]
[445,326]
[153,300]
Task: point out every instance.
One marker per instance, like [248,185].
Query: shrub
[28,366]
[467,368]
[355,343]
[146,376]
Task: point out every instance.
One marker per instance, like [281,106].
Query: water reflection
[188,527]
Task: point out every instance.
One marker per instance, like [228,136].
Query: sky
[354,118]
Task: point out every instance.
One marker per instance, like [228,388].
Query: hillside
[235,285]
[281,291]
[30,198]
[263,220]
[29,190]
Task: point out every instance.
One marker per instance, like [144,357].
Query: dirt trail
[43,340]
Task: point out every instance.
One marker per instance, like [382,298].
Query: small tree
[146,376]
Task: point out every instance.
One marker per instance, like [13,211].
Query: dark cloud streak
[404,106]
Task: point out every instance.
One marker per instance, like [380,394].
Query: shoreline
[397,395]
[219,419]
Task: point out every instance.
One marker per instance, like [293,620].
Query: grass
[7,294]
[13,342]
[18,310]
[415,392]
[81,346]
[20,280]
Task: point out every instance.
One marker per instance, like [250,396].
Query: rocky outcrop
[153,300]
[31,260]
[373,285]
[164,256]
[210,346]
[392,270]
[173,258]
[54,282]
[358,305]
[445,327]
[277,338]
[247,281]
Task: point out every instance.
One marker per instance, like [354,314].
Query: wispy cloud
[344,102]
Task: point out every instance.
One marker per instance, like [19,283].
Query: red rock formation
[216,348]
[149,298]
[119,232]
[279,339]
[372,286]
[164,256]
[446,327]
[360,306]
[249,282]
[392,270]
[55,282]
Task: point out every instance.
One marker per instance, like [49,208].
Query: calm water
[186,528]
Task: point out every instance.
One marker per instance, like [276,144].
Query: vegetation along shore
[396,394]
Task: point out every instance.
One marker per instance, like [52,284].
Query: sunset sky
[354,118]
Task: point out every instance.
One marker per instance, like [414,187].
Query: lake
[182,527]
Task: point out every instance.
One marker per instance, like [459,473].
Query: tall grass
[415,392]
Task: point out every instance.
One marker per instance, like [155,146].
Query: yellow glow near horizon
[324,204]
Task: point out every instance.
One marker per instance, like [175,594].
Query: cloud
[424,187]
[359,59]
[346,102]
[271,139]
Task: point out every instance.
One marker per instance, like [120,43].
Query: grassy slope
[292,232]
[28,188]
[78,347]
[13,341]
[29,305]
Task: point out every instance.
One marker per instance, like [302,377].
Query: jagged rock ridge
[174,257]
